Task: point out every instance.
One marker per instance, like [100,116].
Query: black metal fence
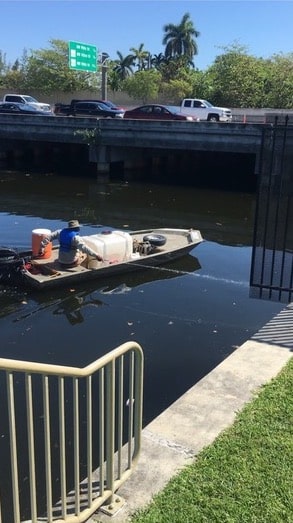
[272,256]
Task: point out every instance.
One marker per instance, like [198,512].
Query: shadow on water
[71,301]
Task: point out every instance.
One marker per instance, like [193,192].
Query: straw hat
[73,224]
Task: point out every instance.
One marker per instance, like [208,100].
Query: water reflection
[224,217]
[71,302]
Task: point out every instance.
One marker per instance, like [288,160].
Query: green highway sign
[82,57]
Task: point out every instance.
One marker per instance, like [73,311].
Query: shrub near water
[245,476]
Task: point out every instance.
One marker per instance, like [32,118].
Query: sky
[263,27]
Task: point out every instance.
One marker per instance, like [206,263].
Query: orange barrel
[37,236]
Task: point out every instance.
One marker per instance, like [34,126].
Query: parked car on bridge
[22,108]
[156,112]
[28,100]
[61,109]
[110,104]
[88,108]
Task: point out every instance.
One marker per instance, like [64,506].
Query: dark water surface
[188,315]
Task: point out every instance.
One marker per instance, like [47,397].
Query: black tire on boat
[7,255]
[155,239]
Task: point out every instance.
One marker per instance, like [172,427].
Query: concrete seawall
[174,438]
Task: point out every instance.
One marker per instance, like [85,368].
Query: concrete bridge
[129,142]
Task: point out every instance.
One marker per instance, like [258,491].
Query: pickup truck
[99,108]
[205,111]
[26,99]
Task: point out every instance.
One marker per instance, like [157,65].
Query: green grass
[245,476]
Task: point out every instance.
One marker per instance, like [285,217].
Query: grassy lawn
[246,475]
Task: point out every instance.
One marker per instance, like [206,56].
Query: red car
[156,112]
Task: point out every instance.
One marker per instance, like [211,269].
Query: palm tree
[123,66]
[141,57]
[180,39]
[157,60]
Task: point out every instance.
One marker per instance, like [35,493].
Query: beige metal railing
[61,424]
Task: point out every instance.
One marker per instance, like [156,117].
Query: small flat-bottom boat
[121,252]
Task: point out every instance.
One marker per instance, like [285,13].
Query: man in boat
[72,250]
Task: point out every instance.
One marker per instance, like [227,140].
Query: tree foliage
[123,67]
[180,39]
[278,83]
[141,57]
[238,79]
[143,85]
[47,70]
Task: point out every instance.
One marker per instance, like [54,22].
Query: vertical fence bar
[62,445]
[131,402]
[76,444]
[89,441]
[138,406]
[46,406]
[268,200]
[13,447]
[31,445]
[291,283]
[286,228]
[288,197]
[110,425]
[120,413]
[102,429]
[275,228]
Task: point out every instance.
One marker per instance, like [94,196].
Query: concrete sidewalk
[174,438]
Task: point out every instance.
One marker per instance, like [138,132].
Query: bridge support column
[101,155]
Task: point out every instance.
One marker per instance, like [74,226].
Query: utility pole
[104,58]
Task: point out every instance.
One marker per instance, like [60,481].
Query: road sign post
[82,57]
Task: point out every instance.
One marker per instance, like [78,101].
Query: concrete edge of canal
[175,437]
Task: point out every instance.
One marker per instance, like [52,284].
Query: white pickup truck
[26,99]
[204,110]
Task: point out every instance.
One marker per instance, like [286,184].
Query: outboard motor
[10,262]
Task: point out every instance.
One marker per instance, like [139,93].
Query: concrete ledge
[174,438]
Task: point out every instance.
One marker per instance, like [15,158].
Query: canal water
[188,315]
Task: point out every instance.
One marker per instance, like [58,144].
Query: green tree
[177,80]
[278,85]
[237,79]
[141,57]
[173,68]
[123,66]
[3,68]
[114,81]
[180,39]
[48,70]
[3,65]
[157,60]
[143,85]
[13,76]
[174,90]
